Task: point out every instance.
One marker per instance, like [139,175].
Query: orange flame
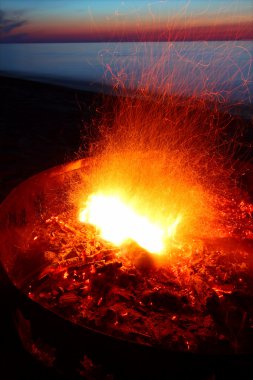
[160,157]
[119,222]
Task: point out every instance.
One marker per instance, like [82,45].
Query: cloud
[11,21]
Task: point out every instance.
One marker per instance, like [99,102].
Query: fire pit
[84,303]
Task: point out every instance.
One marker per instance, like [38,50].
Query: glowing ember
[119,223]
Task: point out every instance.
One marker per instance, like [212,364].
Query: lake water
[221,70]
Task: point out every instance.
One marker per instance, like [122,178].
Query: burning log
[194,297]
[186,303]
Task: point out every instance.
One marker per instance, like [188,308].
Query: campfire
[149,240]
[110,265]
[183,296]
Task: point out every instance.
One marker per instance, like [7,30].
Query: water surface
[221,70]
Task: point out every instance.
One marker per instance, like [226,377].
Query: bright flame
[118,223]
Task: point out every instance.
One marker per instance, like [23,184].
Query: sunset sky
[133,20]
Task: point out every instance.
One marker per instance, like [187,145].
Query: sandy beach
[40,127]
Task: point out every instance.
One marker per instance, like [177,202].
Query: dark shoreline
[40,127]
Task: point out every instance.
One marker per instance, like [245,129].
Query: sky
[129,20]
